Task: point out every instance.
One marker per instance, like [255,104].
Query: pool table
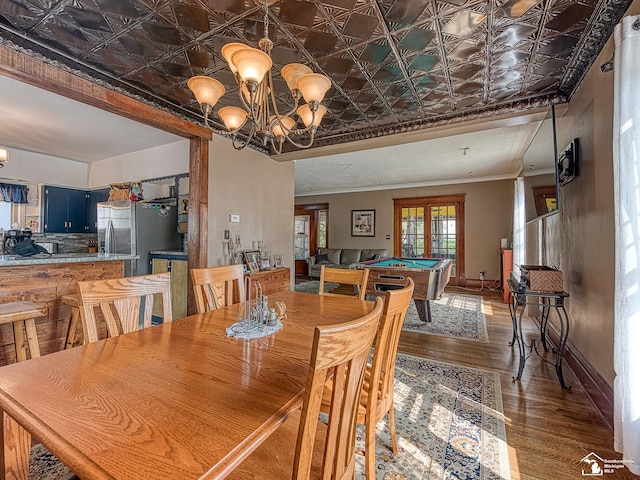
[430,276]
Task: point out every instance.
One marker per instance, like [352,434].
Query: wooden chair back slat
[217,287]
[343,350]
[358,278]
[376,399]
[120,300]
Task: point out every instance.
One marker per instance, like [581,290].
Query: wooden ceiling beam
[15,64]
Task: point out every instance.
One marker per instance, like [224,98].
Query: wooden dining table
[180,400]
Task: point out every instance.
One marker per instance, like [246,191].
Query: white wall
[162,161]
[257,188]
[28,167]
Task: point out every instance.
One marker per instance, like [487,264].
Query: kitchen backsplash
[67,242]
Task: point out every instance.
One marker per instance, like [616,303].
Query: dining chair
[358,278]
[217,287]
[120,301]
[311,449]
[376,399]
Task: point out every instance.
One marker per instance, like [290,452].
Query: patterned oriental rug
[454,315]
[312,286]
[449,423]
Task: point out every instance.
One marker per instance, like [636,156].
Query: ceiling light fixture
[252,69]
[4,157]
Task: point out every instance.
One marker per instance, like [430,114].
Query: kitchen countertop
[16,260]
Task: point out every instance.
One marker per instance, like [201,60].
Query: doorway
[431,227]
[311,232]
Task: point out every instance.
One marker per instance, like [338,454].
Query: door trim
[427,202]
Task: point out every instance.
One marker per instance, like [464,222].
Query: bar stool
[22,315]
[72,301]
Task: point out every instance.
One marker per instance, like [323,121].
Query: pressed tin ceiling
[395,66]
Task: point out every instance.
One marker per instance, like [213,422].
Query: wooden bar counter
[45,279]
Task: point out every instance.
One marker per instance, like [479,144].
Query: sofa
[342,258]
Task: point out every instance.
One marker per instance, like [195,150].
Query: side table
[548,301]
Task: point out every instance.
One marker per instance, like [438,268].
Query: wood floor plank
[549,430]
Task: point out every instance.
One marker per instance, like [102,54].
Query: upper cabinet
[65,210]
[95,197]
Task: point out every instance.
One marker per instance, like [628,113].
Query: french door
[431,227]
[311,231]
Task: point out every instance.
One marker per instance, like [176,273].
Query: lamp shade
[207,90]
[233,117]
[307,115]
[313,86]
[227,52]
[252,64]
[287,122]
[292,72]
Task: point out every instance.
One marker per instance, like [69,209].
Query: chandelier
[252,70]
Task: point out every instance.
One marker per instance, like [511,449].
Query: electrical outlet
[481,275]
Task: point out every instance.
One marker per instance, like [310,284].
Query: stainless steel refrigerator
[137,228]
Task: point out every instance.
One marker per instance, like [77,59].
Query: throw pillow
[322,259]
[375,257]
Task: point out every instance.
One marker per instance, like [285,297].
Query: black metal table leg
[564,335]
[513,306]
[521,345]
[546,301]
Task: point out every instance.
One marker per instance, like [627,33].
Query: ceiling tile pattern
[393,64]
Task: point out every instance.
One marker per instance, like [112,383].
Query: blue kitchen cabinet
[95,197]
[65,210]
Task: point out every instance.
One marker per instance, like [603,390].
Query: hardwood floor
[549,430]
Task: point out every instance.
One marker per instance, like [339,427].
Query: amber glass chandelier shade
[307,115]
[207,90]
[228,50]
[252,64]
[287,122]
[233,117]
[313,86]
[292,72]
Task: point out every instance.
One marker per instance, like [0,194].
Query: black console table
[520,299]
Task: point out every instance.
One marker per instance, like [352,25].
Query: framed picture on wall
[363,223]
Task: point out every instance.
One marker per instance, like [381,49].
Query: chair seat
[17,311]
[274,458]
[22,316]
[71,300]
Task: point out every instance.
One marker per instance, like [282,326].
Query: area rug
[312,286]
[454,315]
[45,466]
[449,424]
